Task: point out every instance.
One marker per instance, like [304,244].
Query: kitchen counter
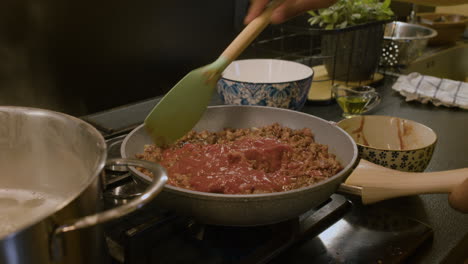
[450,238]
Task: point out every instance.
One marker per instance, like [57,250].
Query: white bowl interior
[266,71]
[390,133]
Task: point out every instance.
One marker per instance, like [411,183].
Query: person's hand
[458,199]
[288,9]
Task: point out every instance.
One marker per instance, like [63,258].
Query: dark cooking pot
[50,189]
[252,209]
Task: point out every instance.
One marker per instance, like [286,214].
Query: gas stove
[341,230]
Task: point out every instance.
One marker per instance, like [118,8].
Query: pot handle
[375,183]
[160,178]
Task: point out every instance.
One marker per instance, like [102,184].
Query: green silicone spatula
[181,108]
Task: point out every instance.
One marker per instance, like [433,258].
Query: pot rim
[309,75]
[433,33]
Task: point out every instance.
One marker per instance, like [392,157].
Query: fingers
[287,10]
[458,199]
[256,7]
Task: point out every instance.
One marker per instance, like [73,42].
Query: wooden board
[320,89]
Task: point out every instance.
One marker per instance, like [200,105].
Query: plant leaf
[345,13]
[312,13]
[386,3]
[343,24]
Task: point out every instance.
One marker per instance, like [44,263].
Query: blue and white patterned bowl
[265,82]
[392,142]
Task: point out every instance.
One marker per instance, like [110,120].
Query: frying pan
[251,209]
[269,208]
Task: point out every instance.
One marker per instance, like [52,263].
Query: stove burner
[124,193]
[143,235]
[113,146]
[119,185]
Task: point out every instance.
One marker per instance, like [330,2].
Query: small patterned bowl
[266,82]
[392,142]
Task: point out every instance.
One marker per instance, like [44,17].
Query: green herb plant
[345,13]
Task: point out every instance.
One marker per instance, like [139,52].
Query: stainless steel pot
[252,209]
[404,42]
[46,154]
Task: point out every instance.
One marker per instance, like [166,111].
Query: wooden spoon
[181,108]
[377,183]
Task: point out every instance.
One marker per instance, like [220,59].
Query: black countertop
[450,239]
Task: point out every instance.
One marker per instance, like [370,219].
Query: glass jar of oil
[355,100]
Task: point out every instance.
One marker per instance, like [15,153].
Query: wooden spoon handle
[249,33]
[380,183]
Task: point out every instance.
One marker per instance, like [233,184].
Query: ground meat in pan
[268,159]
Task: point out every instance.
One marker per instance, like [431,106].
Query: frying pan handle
[160,178]
[376,183]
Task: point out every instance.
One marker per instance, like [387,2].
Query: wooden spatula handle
[458,198]
[250,32]
[380,183]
